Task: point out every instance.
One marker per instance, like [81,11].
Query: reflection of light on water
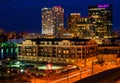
[53,67]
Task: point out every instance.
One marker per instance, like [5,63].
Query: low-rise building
[57,50]
[8,50]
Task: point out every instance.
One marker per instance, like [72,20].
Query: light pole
[47,72]
[9,71]
[36,62]
[92,67]
[79,68]
[35,71]
[80,72]
[67,75]
[47,77]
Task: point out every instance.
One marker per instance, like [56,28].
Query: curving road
[108,76]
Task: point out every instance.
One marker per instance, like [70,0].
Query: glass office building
[102,15]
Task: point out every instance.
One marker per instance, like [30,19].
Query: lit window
[33,54]
[33,43]
[59,51]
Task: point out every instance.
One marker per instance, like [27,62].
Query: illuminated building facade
[85,28]
[57,50]
[102,15]
[81,27]
[58,20]
[47,21]
[8,50]
[72,20]
[52,20]
[108,53]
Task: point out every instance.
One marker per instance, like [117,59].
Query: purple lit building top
[103,6]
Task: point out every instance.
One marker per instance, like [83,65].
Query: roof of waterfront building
[76,40]
[59,39]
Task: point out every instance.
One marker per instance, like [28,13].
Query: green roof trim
[7,44]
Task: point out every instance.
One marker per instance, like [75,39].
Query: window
[34,54]
[28,54]
[59,51]
[34,49]
[34,43]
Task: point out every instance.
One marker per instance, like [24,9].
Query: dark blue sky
[25,15]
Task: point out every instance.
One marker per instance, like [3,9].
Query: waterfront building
[58,50]
[102,15]
[8,50]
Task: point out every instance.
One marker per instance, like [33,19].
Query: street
[73,76]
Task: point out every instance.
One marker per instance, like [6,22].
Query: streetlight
[9,71]
[68,73]
[35,72]
[80,72]
[79,69]
[92,67]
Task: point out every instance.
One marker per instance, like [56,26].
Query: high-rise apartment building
[47,21]
[58,19]
[102,15]
[52,20]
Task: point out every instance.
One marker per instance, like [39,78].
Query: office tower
[72,20]
[80,26]
[72,23]
[85,27]
[102,15]
[52,20]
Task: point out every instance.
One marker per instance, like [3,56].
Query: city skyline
[25,16]
[58,41]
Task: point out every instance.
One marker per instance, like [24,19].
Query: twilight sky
[25,15]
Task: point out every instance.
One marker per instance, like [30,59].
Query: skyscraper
[72,20]
[52,20]
[58,19]
[47,21]
[102,15]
